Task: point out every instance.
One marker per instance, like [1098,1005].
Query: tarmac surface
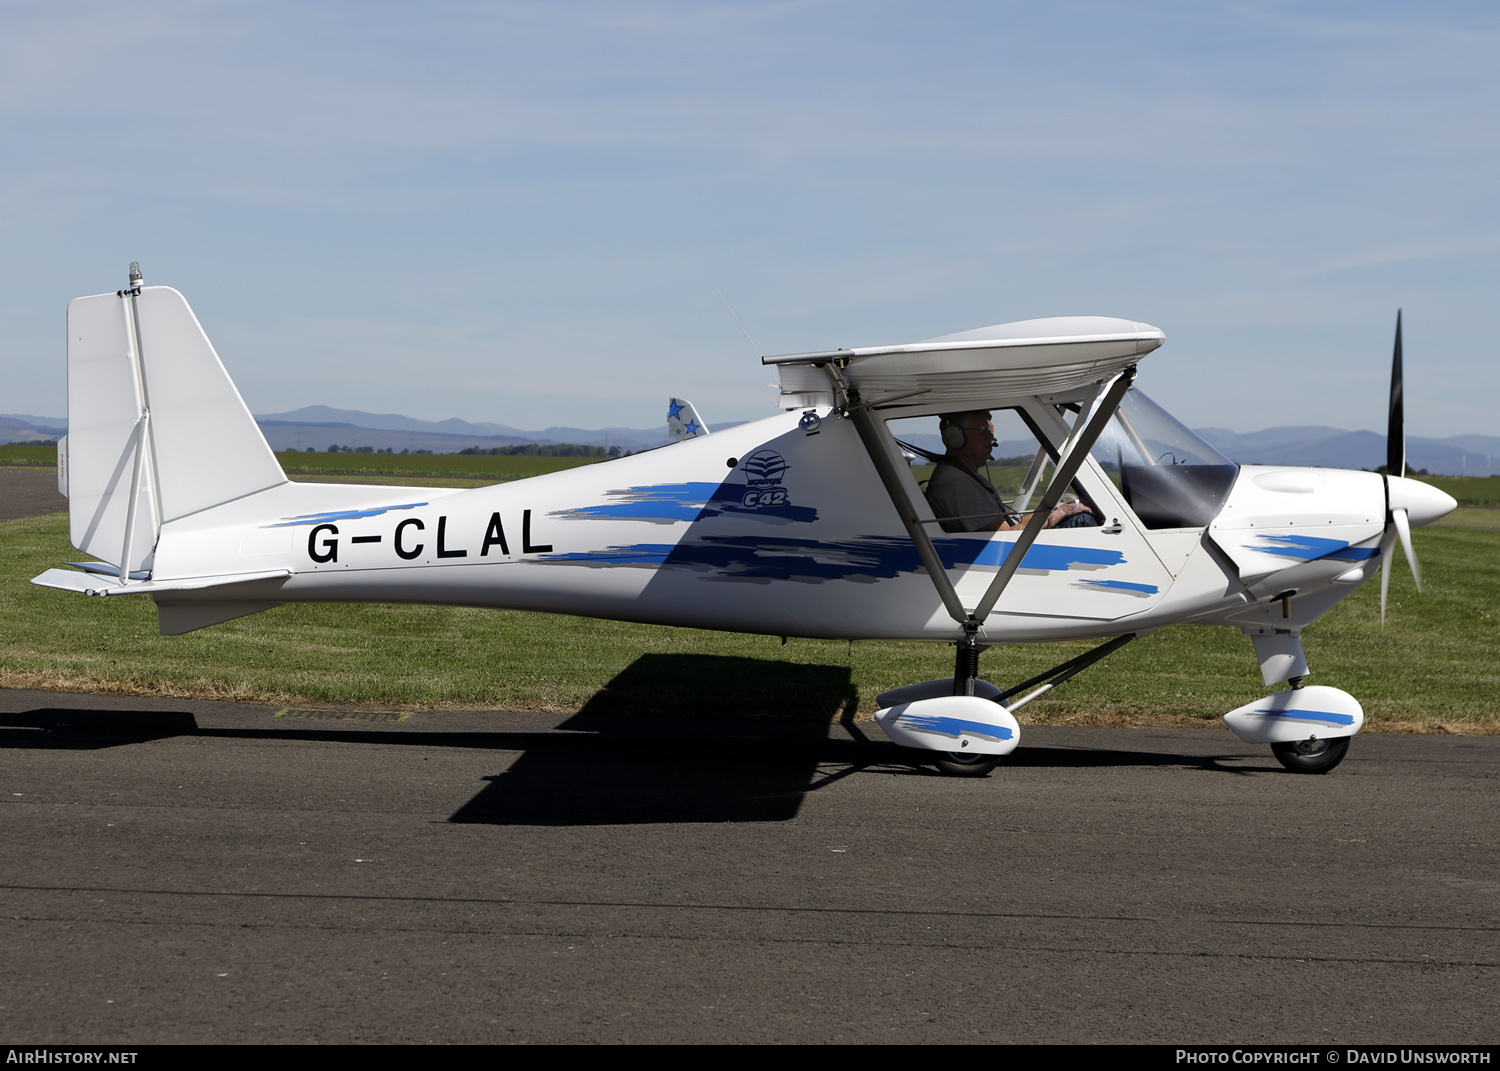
[181,871]
[29,493]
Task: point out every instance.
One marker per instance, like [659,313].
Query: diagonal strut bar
[883,454]
[1067,467]
[1057,674]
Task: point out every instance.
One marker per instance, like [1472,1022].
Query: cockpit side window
[981,470]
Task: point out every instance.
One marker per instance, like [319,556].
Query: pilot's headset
[954,434]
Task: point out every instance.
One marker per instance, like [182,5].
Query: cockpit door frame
[1071,445]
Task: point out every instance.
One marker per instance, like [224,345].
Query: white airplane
[808,523]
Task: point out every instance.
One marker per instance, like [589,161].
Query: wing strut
[1057,674]
[881,447]
[886,458]
[1082,440]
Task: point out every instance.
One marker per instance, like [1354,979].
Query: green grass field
[1469,491]
[474,467]
[28,455]
[1435,666]
[459,466]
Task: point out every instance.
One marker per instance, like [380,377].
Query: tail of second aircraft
[156,429]
[683,421]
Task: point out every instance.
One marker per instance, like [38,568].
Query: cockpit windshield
[1170,477]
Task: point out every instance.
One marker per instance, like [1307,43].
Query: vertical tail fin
[156,429]
[683,421]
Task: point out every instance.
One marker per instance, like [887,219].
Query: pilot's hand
[1063,510]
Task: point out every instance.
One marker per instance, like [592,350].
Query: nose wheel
[1312,756]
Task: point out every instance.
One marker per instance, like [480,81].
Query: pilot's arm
[964,501]
[1060,512]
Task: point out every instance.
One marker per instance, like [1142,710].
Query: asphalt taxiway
[29,493]
[179,871]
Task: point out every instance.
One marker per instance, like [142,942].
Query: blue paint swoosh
[762,559]
[1327,717]
[692,501]
[954,727]
[339,515]
[1310,548]
[649,502]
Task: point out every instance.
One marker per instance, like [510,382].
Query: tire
[959,764]
[1312,756]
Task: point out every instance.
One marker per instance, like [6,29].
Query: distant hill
[1471,455]
[319,426]
[1329,448]
[18,428]
[324,414]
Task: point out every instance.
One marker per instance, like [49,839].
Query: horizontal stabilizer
[97,584]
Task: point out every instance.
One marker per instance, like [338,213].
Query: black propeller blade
[1395,429]
[1397,522]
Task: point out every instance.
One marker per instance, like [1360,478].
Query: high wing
[1088,361]
[1059,358]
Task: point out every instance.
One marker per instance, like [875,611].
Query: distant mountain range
[1329,448]
[1461,455]
[17,428]
[319,426]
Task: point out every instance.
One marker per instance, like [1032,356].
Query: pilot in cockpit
[964,501]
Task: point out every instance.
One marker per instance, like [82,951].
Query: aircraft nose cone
[1423,502]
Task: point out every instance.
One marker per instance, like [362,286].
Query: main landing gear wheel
[1312,756]
[961,764]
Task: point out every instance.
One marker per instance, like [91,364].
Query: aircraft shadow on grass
[672,738]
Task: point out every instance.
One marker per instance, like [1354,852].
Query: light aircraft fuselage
[796,537]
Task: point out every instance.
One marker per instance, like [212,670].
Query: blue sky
[519,212]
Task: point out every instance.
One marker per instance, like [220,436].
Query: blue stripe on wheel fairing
[955,727]
[1327,717]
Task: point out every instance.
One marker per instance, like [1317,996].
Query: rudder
[156,428]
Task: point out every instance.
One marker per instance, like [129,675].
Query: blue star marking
[673,410]
[691,428]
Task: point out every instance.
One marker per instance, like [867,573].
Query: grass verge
[489,468]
